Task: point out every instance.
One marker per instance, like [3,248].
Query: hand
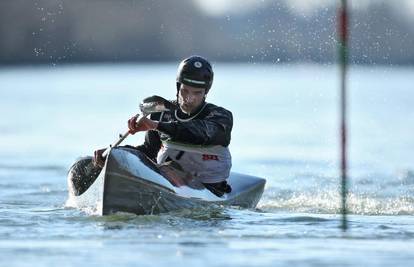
[98,159]
[143,124]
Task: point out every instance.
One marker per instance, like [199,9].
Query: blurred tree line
[66,31]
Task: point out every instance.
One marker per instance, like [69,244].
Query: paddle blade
[155,104]
[81,175]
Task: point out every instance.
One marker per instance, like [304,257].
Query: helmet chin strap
[190,116]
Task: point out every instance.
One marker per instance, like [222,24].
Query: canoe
[130,182]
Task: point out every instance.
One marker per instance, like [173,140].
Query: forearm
[153,125]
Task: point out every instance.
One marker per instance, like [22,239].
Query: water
[285,130]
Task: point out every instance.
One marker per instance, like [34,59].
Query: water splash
[90,209]
[328,202]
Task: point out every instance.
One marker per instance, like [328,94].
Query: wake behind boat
[130,182]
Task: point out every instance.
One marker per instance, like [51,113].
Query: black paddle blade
[81,175]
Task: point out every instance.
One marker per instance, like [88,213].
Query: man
[196,136]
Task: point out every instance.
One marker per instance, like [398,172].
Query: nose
[189,98]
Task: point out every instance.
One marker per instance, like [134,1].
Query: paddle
[84,172]
[149,105]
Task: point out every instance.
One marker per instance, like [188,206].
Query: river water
[285,129]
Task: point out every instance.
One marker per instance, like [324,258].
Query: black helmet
[195,71]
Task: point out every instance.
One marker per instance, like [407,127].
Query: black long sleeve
[211,127]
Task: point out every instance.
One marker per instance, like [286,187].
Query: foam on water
[93,209]
[328,202]
[90,202]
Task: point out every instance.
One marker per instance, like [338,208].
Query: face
[190,98]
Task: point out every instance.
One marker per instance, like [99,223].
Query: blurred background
[59,31]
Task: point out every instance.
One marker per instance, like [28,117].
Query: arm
[212,129]
[151,145]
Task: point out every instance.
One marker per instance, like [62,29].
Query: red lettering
[210,157]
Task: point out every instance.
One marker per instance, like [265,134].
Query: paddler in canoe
[193,140]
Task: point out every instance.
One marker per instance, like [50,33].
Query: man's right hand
[132,124]
[98,159]
[138,124]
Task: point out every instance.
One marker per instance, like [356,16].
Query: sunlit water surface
[285,129]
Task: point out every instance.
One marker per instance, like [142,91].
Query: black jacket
[211,125]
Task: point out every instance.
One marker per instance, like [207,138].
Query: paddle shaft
[121,138]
